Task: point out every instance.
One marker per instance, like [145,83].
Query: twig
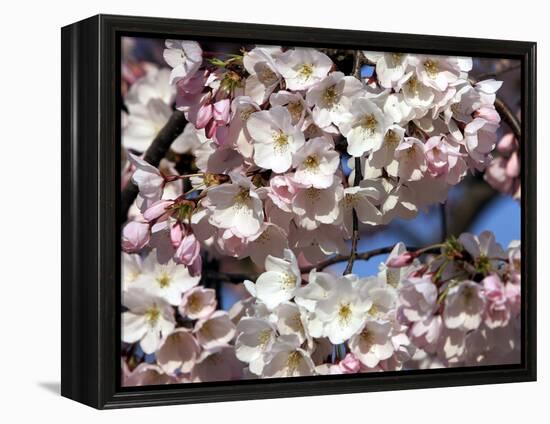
[355,233]
[356,180]
[154,154]
[508,116]
[363,256]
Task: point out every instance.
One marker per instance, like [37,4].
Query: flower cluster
[284,158]
[175,321]
[460,307]
[269,130]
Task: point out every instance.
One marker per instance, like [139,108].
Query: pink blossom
[401,260]
[513,296]
[350,364]
[135,236]
[282,190]
[513,166]
[507,144]
[188,250]
[192,85]
[221,111]
[156,210]
[176,234]
[497,312]
[204,115]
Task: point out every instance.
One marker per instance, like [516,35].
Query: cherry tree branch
[153,155]
[508,116]
[356,72]
[362,256]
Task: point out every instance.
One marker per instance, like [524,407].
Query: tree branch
[508,116]
[356,180]
[154,154]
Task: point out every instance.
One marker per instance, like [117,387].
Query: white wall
[30,211]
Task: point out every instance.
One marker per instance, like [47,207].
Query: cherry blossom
[280,281]
[303,67]
[185,57]
[287,166]
[148,320]
[365,127]
[275,138]
[236,205]
[316,163]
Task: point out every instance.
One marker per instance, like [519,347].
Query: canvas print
[292,211]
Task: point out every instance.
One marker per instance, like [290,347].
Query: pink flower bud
[210,129]
[513,166]
[195,267]
[401,260]
[489,114]
[135,236]
[176,235]
[507,144]
[192,85]
[222,135]
[157,209]
[350,364]
[188,250]
[204,115]
[221,111]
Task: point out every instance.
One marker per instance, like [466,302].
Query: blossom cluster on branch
[271,155]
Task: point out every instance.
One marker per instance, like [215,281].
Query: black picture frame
[91,201]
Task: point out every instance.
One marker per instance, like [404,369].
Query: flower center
[246,112]
[373,310]
[295,109]
[293,362]
[483,265]
[413,85]
[344,313]
[369,123]
[263,338]
[267,76]
[306,71]
[280,141]
[194,304]
[396,57]
[330,96]
[164,280]
[431,68]
[366,337]
[288,281]
[350,200]
[152,315]
[313,193]
[242,197]
[391,137]
[410,152]
[311,163]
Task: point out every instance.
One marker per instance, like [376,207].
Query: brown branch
[237,278]
[356,72]
[154,154]
[508,116]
